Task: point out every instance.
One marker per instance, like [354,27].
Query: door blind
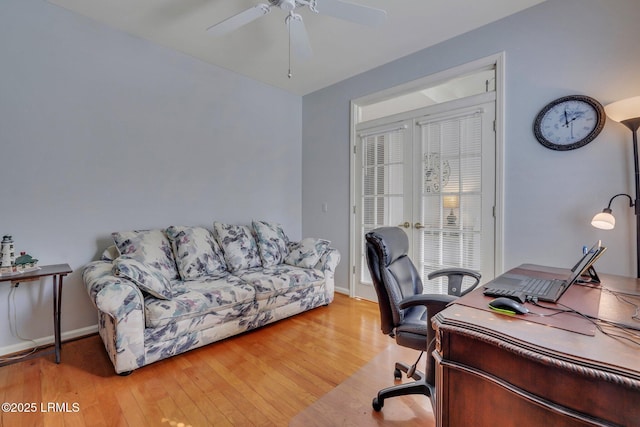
[382,197]
[451,207]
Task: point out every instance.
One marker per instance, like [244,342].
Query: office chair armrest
[426,300]
[454,277]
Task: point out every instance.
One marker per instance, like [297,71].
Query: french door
[431,172]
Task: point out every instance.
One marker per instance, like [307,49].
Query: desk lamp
[451,202]
[627,112]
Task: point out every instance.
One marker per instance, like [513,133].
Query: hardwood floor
[262,378]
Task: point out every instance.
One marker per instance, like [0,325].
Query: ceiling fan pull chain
[289,29]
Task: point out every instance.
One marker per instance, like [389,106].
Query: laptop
[520,286]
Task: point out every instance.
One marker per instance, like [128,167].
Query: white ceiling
[260,50]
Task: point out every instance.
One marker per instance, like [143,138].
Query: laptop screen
[586,261]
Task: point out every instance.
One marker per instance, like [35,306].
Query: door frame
[497,60]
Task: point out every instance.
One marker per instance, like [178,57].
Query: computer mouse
[507,305]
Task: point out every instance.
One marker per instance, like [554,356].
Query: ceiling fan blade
[299,37]
[237,21]
[359,14]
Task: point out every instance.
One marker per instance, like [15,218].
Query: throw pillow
[239,246]
[272,242]
[307,252]
[196,251]
[110,254]
[150,247]
[147,279]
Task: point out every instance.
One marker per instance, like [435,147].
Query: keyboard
[530,287]
[514,294]
[535,286]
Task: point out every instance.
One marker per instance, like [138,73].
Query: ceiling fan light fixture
[287,5]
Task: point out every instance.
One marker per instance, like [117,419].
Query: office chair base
[403,367]
[419,386]
[416,387]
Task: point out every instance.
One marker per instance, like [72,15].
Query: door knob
[405,224]
[419,226]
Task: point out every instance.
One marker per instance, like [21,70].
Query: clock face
[569,122]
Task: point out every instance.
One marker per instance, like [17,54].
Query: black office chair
[405,312]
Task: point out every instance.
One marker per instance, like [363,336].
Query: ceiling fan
[298,37]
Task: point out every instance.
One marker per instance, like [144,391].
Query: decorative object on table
[9,264]
[569,122]
[627,112]
[26,262]
[8,256]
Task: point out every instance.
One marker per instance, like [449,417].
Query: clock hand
[572,127]
[566,120]
[577,116]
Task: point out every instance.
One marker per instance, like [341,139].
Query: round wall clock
[569,122]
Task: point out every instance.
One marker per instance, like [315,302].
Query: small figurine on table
[25,262]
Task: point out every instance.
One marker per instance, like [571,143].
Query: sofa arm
[328,261]
[96,275]
[328,264]
[121,317]
[102,285]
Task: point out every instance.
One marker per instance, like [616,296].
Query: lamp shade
[450,202]
[604,221]
[624,109]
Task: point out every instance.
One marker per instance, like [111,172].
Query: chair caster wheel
[397,374]
[377,405]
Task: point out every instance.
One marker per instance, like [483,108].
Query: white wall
[557,48]
[101,132]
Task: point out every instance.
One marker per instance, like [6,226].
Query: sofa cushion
[280,279]
[239,246]
[307,252]
[147,279]
[196,252]
[272,242]
[150,247]
[193,298]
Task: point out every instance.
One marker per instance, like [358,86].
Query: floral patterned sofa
[162,292]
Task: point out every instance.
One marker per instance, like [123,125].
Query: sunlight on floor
[175,423]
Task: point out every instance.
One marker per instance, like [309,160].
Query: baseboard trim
[342,290]
[44,341]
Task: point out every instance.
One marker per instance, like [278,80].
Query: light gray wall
[557,48]
[101,132]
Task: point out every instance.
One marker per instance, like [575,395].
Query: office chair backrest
[394,275]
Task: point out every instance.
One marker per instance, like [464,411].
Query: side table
[56,272]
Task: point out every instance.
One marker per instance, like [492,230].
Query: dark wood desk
[495,369]
[56,272]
